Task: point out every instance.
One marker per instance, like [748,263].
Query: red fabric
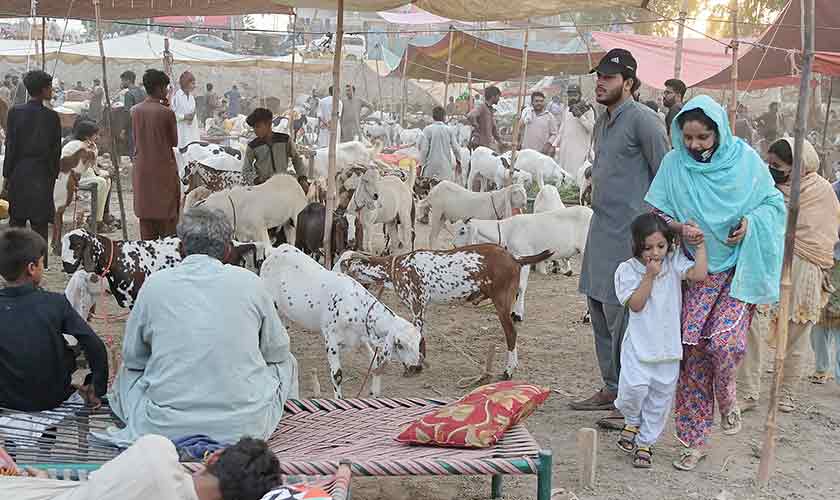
[479,419]
[827,63]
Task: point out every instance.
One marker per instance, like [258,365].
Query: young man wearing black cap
[630,142]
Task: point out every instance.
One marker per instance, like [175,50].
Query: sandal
[819,378]
[731,422]
[689,459]
[643,458]
[627,439]
[787,404]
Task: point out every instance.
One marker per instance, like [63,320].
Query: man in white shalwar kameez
[183,104]
[204,350]
[324,117]
[575,137]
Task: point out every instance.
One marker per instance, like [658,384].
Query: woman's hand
[738,234]
[691,233]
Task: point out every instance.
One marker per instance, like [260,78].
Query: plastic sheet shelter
[487,61]
[466,10]
[776,58]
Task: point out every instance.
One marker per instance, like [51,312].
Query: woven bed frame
[315,432]
[314,439]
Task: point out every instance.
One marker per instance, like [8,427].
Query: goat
[549,199]
[467,274]
[342,310]
[310,230]
[389,201]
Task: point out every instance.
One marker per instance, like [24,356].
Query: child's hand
[691,233]
[653,267]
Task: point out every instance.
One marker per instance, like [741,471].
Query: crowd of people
[682,264]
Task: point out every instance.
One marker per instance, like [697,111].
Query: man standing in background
[351,114]
[538,126]
[211,104]
[672,98]
[483,122]
[575,137]
[234,102]
[325,106]
[437,148]
[18,91]
[157,189]
[450,107]
[134,95]
[96,96]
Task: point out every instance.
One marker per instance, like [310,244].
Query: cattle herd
[281,223]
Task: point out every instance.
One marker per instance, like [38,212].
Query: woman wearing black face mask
[713,187]
[813,258]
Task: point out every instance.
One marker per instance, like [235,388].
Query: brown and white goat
[467,274]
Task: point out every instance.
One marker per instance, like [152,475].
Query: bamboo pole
[115,155]
[291,120]
[678,57]
[448,66]
[403,92]
[469,92]
[520,99]
[379,85]
[826,169]
[733,99]
[336,102]
[768,450]
[43,44]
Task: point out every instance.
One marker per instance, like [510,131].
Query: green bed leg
[496,487]
[544,476]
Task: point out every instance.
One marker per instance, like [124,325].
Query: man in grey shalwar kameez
[435,146]
[351,114]
[630,142]
[204,350]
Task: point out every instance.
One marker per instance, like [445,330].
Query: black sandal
[627,439]
[643,458]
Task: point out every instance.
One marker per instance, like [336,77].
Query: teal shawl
[716,195]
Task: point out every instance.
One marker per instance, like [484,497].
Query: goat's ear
[87,258]
[467,220]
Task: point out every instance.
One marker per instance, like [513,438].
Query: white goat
[487,166]
[342,310]
[81,292]
[543,168]
[410,136]
[254,210]
[450,202]
[386,200]
[347,154]
[563,231]
[549,199]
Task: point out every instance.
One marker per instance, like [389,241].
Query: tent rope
[63,34]
[764,54]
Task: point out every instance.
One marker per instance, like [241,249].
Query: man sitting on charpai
[204,350]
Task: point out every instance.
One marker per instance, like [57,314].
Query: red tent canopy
[776,57]
[827,63]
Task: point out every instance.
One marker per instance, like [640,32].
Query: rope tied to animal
[233,209]
[102,278]
[375,351]
[493,204]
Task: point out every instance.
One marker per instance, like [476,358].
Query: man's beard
[611,97]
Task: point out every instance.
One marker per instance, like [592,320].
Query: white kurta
[324,117]
[204,352]
[183,105]
[574,140]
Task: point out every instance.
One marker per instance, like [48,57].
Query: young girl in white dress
[650,284]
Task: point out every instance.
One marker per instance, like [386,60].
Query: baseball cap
[616,61]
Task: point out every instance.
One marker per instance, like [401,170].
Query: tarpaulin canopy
[827,63]
[486,60]
[467,10]
[776,56]
[147,48]
[702,57]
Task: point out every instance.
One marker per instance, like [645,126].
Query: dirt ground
[556,350]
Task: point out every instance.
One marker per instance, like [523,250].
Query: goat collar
[107,268]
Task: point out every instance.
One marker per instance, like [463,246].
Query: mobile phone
[735,228]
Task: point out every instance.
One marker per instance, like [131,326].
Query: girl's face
[697,137]
[654,248]
[778,168]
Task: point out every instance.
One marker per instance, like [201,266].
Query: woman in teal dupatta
[714,186]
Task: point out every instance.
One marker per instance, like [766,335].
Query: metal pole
[680,39]
[43,43]
[733,99]
[379,84]
[336,102]
[469,92]
[293,17]
[826,170]
[448,66]
[520,99]
[768,450]
[115,155]
[403,91]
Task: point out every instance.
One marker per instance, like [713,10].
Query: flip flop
[689,460]
[819,378]
[613,422]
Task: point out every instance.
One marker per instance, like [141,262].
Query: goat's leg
[566,264]
[518,313]
[542,267]
[436,219]
[377,364]
[58,222]
[334,360]
[503,301]
[291,233]
[418,311]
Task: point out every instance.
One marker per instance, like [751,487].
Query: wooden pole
[379,85]
[43,44]
[733,99]
[293,18]
[678,57]
[336,102]
[403,89]
[826,168]
[448,66]
[469,92]
[115,154]
[520,99]
[768,450]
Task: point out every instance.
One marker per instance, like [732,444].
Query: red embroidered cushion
[478,419]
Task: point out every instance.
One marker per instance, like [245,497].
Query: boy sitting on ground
[36,364]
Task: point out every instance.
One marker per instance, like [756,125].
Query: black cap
[616,61]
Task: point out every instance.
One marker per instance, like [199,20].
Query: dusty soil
[556,350]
